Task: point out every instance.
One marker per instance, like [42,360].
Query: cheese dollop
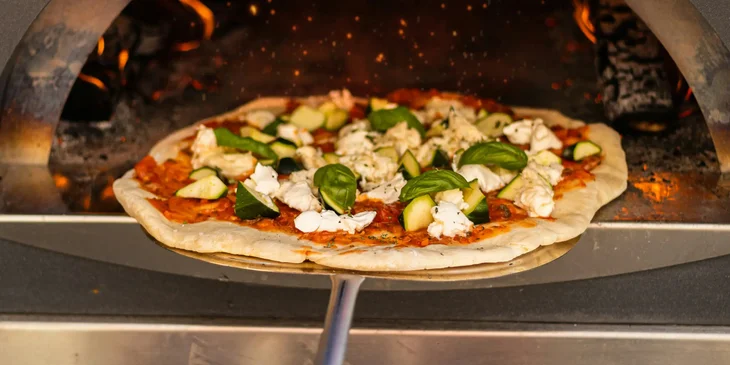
[449,221]
[329,221]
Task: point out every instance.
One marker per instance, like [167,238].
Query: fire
[205,15]
[186,46]
[123,58]
[93,80]
[100,46]
[253,9]
[60,181]
[582,16]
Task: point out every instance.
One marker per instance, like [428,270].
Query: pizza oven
[88,86]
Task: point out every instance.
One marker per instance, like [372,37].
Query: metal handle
[333,342]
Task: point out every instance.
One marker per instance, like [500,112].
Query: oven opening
[164,64]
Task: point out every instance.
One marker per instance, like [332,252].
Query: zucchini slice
[480,214]
[482,114]
[437,129]
[547,158]
[389,152]
[307,117]
[251,204]
[256,135]
[409,165]
[510,191]
[376,104]
[440,159]
[331,157]
[331,203]
[492,124]
[472,196]
[210,188]
[202,172]
[582,150]
[283,147]
[335,117]
[287,165]
[417,214]
[272,127]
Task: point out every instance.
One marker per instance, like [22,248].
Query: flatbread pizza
[417,180]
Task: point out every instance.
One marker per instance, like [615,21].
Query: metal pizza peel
[346,284]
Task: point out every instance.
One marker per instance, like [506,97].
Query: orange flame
[100,46]
[60,181]
[582,16]
[186,46]
[205,15]
[93,80]
[123,58]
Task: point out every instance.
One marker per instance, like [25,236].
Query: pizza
[417,180]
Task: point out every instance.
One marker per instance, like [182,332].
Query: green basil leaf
[338,183]
[226,138]
[383,119]
[501,154]
[432,181]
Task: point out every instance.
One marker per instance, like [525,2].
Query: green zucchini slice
[409,165]
[389,152]
[492,124]
[283,148]
[417,214]
[210,188]
[307,117]
[510,191]
[251,204]
[582,150]
[202,172]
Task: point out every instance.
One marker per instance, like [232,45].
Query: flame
[93,80]
[253,9]
[186,46]
[123,58]
[100,46]
[582,16]
[60,181]
[205,15]
[108,192]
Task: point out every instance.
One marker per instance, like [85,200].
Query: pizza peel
[346,284]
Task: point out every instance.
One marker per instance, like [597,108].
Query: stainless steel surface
[333,340]
[46,64]
[66,343]
[605,249]
[703,59]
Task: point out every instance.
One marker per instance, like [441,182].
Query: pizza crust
[572,213]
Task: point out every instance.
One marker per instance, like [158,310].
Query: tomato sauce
[166,178]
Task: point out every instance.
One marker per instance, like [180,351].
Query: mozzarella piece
[264,180]
[505,175]
[343,99]
[534,132]
[388,192]
[453,196]
[308,221]
[438,108]
[206,152]
[311,157]
[358,125]
[299,196]
[537,200]
[373,168]
[204,142]
[329,221]
[553,173]
[355,143]
[488,180]
[260,118]
[401,137]
[448,221]
[290,132]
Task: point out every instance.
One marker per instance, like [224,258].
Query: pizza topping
[519,132]
[552,173]
[488,180]
[453,196]
[409,166]
[531,191]
[202,172]
[581,150]
[432,181]
[260,118]
[335,117]
[401,137]
[387,192]
[533,132]
[337,187]
[342,99]
[290,132]
[438,108]
[298,195]
[310,157]
[329,221]
[374,169]
[264,180]
[356,142]
[251,204]
[210,187]
[206,152]
[417,214]
[492,125]
[477,208]
[287,166]
[384,119]
[449,221]
[494,153]
[307,117]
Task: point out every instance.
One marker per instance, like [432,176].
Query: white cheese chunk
[290,132]
[204,142]
[448,221]
[264,180]
[536,195]
[342,98]
[438,108]
[488,180]
[505,175]
[260,118]
[532,132]
[306,176]
[453,196]
[299,196]
[355,143]
[401,137]
[387,192]
[310,157]
[374,169]
[329,221]
[553,173]
[358,125]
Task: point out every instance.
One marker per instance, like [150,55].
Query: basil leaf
[501,154]
[432,181]
[338,185]
[383,119]
[226,138]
